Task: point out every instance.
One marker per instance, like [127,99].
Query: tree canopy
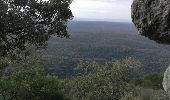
[24,22]
[31,84]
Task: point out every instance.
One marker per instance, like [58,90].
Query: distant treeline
[62,55]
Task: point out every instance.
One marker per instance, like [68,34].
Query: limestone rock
[152,19]
[166,81]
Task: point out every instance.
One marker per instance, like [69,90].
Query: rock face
[152,19]
[166,81]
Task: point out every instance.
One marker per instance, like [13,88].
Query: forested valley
[92,46]
[103,42]
[46,55]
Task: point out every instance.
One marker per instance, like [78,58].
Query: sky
[102,10]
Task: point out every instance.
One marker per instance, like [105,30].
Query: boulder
[166,81]
[152,19]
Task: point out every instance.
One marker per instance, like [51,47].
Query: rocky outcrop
[152,19]
[166,81]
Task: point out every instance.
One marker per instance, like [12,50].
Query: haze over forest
[103,41]
[47,54]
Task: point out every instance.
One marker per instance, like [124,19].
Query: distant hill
[100,27]
[104,41]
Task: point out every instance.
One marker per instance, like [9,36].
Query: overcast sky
[102,10]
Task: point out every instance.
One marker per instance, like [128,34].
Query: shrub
[31,85]
[103,82]
[152,80]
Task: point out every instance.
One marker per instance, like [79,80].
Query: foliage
[31,85]
[152,80]
[24,22]
[105,82]
[27,59]
[88,42]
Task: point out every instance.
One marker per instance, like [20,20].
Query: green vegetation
[62,55]
[31,22]
[103,82]
[152,81]
[94,65]
[30,85]
[27,25]
[93,81]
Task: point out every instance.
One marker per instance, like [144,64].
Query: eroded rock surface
[152,19]
[166,81]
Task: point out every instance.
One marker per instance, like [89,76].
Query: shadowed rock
[152,19]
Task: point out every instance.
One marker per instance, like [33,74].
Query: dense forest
[104,41]
[45,56]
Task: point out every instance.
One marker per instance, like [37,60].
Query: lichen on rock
[152,19]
